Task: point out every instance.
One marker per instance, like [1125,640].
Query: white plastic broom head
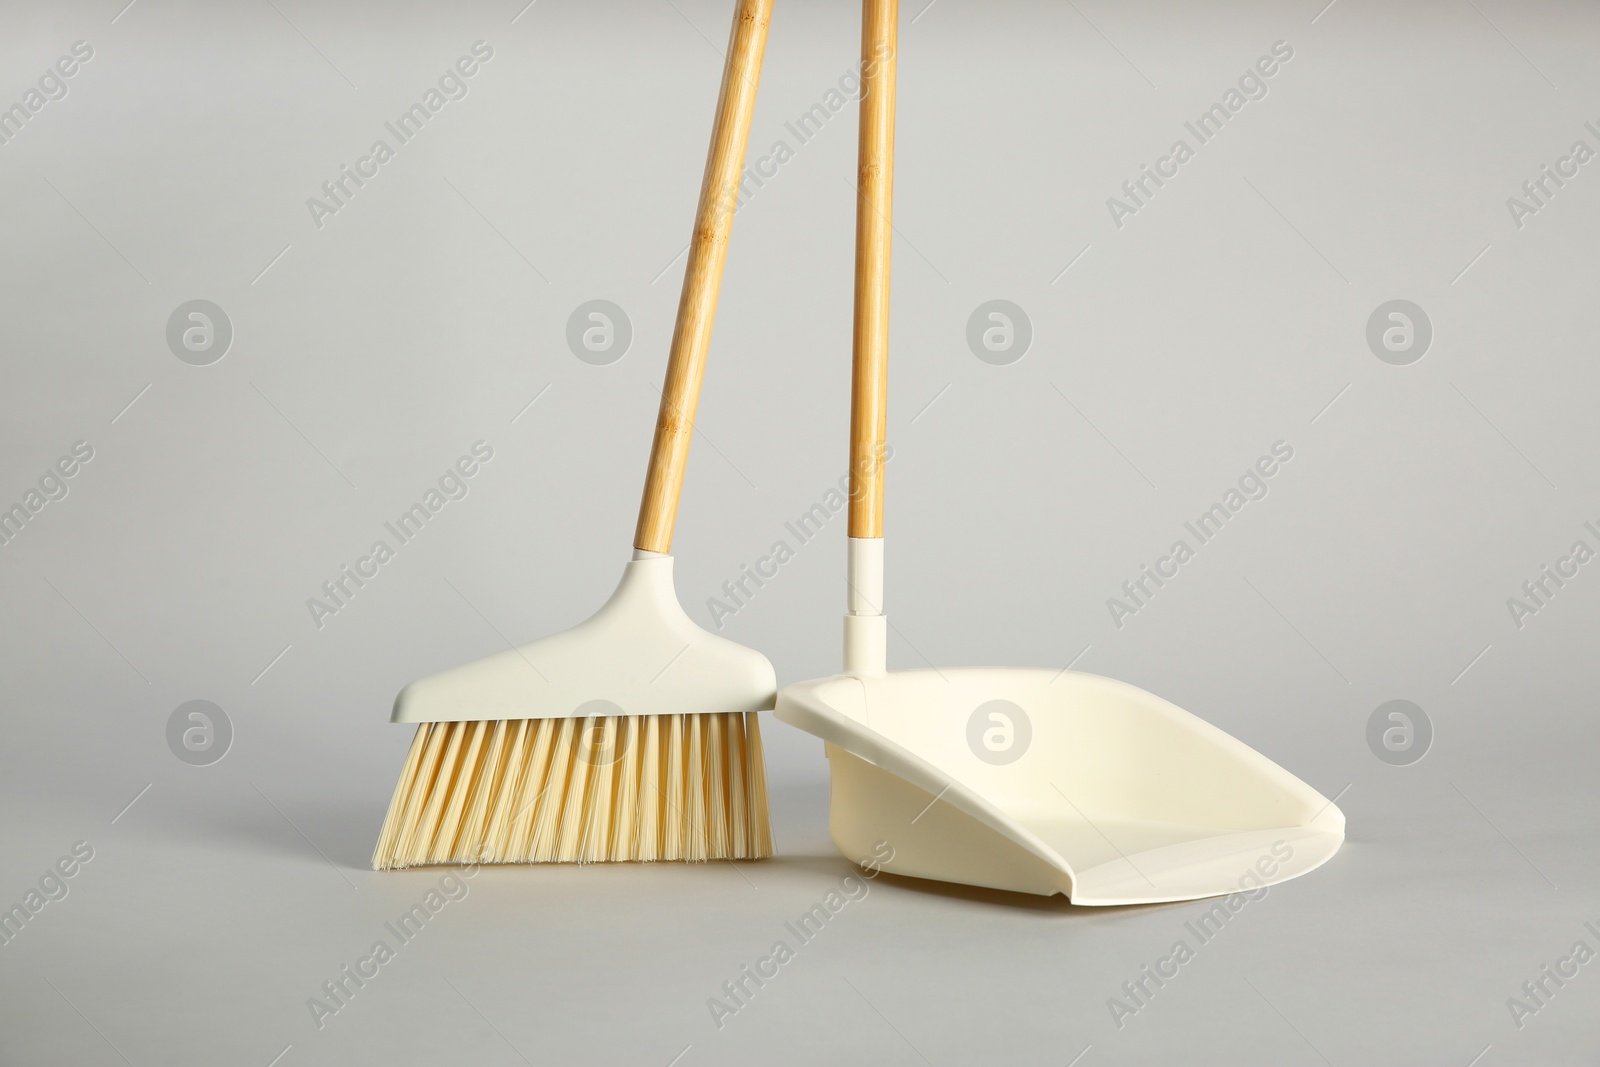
[640,654]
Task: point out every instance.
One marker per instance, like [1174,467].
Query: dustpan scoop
[1032,780]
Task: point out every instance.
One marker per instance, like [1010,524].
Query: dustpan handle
[869,392]
[708,252]
[865,627]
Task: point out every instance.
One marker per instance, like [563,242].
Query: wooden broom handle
[869,389]
[708,252]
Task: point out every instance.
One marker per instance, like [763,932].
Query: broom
[634,735]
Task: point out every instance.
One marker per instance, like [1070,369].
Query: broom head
[632,736]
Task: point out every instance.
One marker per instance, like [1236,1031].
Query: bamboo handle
[869,391]
[708,252]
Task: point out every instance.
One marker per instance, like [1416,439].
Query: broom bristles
[598,789]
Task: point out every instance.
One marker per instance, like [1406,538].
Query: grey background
[1228,314]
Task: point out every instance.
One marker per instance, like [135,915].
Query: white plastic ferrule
[866,630]
[866,576]
[866,644]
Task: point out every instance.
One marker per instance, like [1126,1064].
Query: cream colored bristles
[649,824]
[617,789]
[625,830]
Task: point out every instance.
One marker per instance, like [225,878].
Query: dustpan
[1048,781]
[1029,780]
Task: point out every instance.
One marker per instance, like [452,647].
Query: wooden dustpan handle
[708,252]
[869,393]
